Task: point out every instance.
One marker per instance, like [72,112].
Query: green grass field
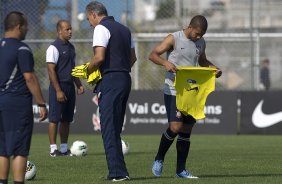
[215,159]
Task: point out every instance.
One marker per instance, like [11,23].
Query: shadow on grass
[134,179]
[142,153]
[130,153]
[97,154]
[240,175]
[148,178]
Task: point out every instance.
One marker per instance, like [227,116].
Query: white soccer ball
[125,147]
[81,16]
[31,170]
[79,148]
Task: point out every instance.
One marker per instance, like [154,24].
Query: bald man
[60,58]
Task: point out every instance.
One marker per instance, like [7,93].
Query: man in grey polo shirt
[185,48]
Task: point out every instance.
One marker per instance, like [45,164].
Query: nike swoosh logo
[195,88]
[262,120]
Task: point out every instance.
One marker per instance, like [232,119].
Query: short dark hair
[97,7]
[199,21]
[13,19]
[59,24]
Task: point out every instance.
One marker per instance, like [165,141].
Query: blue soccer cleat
[186,174]
[67,153]
[157,167]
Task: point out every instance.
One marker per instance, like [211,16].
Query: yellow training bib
[193,85]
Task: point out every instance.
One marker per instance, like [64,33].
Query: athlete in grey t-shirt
[185,48]
[185,53]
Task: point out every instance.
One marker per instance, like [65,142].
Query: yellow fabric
[81,72]
[94,77]
[193,85]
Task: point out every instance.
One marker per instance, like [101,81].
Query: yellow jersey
[193,85]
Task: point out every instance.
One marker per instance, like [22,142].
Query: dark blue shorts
[15,129]
[62,112]
[173,114]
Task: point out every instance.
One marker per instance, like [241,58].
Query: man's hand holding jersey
[81,72]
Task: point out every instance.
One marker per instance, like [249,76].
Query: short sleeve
[101,36]
[25,59]
[52,54]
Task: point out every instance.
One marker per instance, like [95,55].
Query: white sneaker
[120,178]
[186,174]
[157,168]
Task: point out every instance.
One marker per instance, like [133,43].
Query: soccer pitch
[215,159]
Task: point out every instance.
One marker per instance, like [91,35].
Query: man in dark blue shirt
[265,75]
[18,83]
[114,55]
[60,57]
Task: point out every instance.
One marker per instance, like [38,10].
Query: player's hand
[61,96]
[80,90]
[218,73]
[43,113]
[170,67]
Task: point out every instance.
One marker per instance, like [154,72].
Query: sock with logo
[63,148]
[53,147]
[166,141]
[182,147]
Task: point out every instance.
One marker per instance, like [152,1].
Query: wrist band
[41,105]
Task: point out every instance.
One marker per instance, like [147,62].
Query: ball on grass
[31,170]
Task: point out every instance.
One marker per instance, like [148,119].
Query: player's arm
[97,59]
[155,56]
[52,56]
[101,37]
[80,89]
[55,82]
[26,64]
[204,62]
[34,87]
[133,57]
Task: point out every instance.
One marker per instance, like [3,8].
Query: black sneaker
[55,153]
[122,178]
[67,153]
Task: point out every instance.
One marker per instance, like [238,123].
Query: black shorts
[16,130]
[62,111]
[173,115]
